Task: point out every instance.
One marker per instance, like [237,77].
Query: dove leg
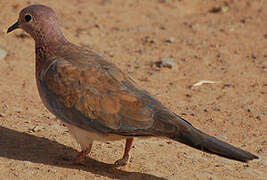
[124,159]
[80,157]
[84,140]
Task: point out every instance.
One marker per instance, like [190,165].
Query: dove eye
[28,17]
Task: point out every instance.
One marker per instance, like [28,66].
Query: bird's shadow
[25,147]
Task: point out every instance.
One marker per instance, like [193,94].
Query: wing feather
[101,93]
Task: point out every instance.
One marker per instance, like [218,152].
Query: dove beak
[13,27]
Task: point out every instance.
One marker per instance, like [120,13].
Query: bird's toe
[121,162]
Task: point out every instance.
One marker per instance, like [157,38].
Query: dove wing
[97,95]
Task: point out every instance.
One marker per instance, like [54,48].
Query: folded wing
[100,95]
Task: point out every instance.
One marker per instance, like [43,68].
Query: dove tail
[204,142]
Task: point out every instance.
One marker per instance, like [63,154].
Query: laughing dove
[97,101]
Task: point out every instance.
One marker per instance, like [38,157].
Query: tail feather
[195,138]
[212,145]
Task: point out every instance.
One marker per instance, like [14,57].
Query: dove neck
[51,37]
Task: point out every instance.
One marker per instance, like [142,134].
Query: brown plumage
[97,100]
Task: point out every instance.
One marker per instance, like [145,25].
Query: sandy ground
[222,41]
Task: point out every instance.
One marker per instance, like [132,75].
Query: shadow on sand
[25,147]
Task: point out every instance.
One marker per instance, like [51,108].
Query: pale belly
[82,136]
[85,138]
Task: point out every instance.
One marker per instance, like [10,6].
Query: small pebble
[215,9]
[227,85]
[170,40]
[98,26]
[254,56]
[216,108]
[2,54]
[188,95]
[164,62]
[219,9]
[2,115]
[36,129]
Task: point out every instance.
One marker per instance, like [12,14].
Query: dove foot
[121,162]
[81,156]
[79,159]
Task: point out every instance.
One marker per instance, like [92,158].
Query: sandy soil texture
[166,46]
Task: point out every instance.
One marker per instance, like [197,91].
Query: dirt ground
[221,41]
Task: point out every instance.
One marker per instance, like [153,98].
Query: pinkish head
[39,21]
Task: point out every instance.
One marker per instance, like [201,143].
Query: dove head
[41,23]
